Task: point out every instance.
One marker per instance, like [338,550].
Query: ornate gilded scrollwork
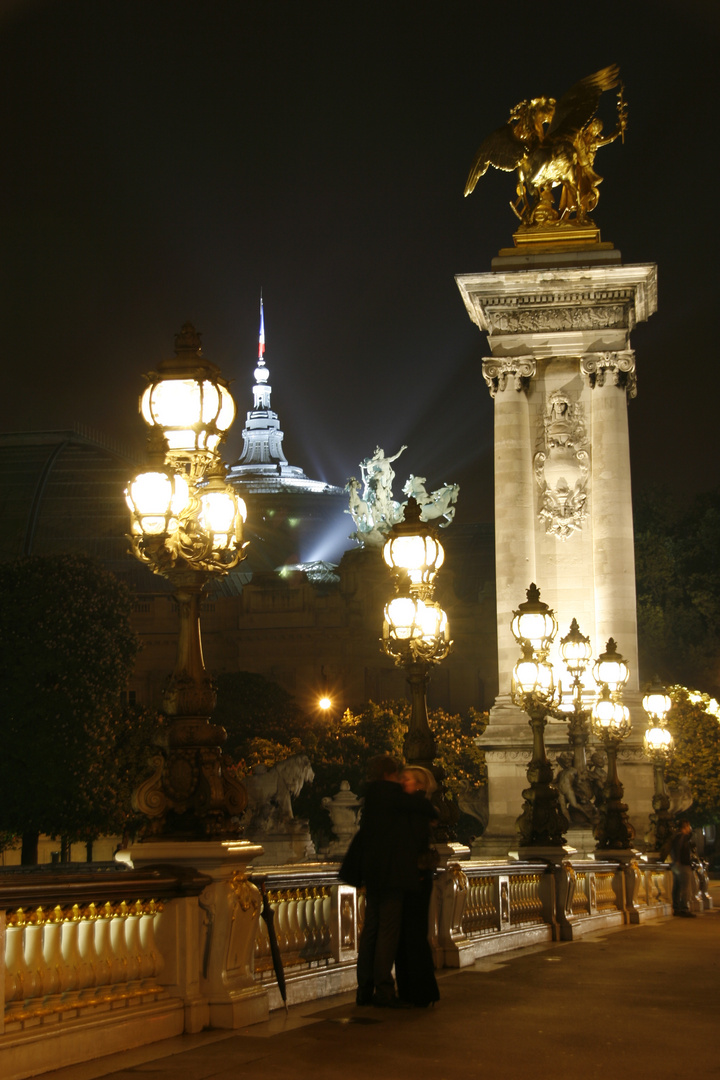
[248,895]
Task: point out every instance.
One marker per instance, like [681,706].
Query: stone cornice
[526,301]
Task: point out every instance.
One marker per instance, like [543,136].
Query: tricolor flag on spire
[261,342]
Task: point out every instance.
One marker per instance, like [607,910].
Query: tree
[263,721]
[696,757]
[677,566]
[265,725]
[68,648]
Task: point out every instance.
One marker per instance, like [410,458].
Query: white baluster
[79,969]
[91,968]
[18,980]
[39,972]
[151,954]
[103,948]
[57,980]
[132,942]
[118,944]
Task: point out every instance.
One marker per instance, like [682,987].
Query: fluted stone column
[508,380]
[612,378]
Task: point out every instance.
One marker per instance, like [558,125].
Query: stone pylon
[561,372]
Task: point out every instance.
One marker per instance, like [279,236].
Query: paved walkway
[631,1002]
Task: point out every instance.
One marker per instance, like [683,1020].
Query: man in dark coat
[682,853]
[389,842]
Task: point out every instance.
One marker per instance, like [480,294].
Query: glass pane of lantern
[218,511]
[210,402]
[400,616]
[657,704]
[176,403]
[227,409]
[145,407]
[658,739]
[526,672]
[150,493]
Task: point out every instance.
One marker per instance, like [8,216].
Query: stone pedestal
[288,848]
[561,372]
[212,938]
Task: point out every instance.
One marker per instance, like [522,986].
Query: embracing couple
[391,857]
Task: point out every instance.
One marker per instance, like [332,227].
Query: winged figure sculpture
[553,144]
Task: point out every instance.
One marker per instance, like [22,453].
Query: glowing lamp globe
[575,650]
[187,399]
[410,620]
[657,702]
[325,703]
[155,499]
[534,622]
[534,678]
[412,549]
[610,719]
[658,742]
[222,511]
[611,669]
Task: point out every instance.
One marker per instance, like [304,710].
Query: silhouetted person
[386,848]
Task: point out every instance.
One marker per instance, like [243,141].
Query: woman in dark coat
[414,966]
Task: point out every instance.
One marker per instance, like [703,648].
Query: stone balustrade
[104,961]
[82,972]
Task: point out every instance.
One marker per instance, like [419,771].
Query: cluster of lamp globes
[534,627]
[184,514]
[415,627]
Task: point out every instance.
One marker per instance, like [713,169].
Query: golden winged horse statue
[553,144]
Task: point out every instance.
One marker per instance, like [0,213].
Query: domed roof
[63,491]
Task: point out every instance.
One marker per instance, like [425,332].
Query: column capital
[497,370]
[618,367]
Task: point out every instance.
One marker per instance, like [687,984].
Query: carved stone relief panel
[554,309]
[562,466]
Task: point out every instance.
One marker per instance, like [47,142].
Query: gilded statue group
[553,144]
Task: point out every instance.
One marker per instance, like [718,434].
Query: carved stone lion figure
[270,791]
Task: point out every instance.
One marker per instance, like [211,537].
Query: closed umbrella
[269,916]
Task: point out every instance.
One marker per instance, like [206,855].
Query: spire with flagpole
[262,465]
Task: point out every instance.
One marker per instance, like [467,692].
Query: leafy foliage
[71,748]
[264,725]
[263,722]
[461,759]
[677,564]
[696,757]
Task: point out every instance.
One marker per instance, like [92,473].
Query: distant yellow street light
[611,724]
[659,746]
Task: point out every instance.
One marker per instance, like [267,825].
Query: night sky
[165,160]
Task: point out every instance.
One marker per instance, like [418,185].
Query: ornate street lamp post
[576,652]
[415,628]
[611,724]
[186,525]
[658,745]
[542,823]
